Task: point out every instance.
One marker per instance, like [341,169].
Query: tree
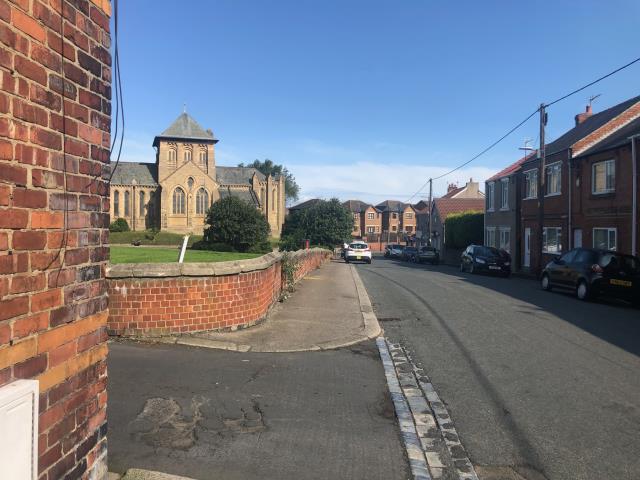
[291,188]
[234,222]
[326,224]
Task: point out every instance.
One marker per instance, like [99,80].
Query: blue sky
[365,98]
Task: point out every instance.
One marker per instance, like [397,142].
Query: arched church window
[187,153]
[116,203]
[172,156]
[202,201]
[142,203]
[126,204]
[203,156]
[178,201]
[190,182]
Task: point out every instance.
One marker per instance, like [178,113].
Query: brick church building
[175,192]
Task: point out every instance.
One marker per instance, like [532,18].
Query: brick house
[397,217]
[502,209]
[470,190]
[55,106]
[559,232]
[422,219]
[367,219]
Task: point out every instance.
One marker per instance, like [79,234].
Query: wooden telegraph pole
[430,208]
[541,185]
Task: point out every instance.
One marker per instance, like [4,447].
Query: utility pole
[430,208]
[541,185]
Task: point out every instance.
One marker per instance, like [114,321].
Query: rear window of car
[626,263]
[358,246]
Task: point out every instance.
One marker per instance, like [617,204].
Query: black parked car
[478,258]
[410,254]
[591,272]
[429,254]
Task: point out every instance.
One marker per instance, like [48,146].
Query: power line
[522,123]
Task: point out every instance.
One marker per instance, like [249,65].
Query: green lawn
[168,255]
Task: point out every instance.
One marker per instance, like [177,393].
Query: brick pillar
[55,116]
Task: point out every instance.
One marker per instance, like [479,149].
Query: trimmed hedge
[151,237]
[463,229]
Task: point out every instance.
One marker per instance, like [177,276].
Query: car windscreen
[487,252]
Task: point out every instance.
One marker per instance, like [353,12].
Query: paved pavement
[329,309]
[206,413]
[538,384]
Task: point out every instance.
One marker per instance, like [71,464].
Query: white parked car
[358,252]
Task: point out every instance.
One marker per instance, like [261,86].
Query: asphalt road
[539,384]
[211,414]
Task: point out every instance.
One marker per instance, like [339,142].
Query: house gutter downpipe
[634,197]
[571,183]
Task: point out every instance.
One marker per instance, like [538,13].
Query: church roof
[185,127]
[248,196]
[236,175]
[142,173]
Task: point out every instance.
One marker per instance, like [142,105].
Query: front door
[527,247]
[577,238]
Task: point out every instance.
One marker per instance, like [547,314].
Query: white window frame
[371,229]
[504,199]
[491,189]
[408,215]
[371,216]
[528,181]
[608,230]
[490,232]
[593,177]
[501,242]
[553,166]
[545,236]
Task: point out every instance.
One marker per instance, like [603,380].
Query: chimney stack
[451,187]
[581,117]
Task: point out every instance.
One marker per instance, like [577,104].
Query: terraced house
[367,219]
[397,217]
[175,192]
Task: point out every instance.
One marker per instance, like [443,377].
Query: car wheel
[582,290]
[545,283]
[369,261]
[471,268]
[346,260]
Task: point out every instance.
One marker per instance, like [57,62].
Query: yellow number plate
[622,283]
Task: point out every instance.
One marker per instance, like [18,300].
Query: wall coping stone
[202,269]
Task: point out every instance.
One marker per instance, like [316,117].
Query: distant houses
[591,174]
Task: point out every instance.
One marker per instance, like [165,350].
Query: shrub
[463,229]
[120,225]
[234,222]
[325,224]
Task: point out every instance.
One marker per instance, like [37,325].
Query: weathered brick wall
[197,297]
[55,91]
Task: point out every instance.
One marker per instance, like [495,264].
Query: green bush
[325,224]
[463,229]
[120,225]
[234,222]
[214,247]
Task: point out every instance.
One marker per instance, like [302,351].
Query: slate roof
[304,205]
[185,127]
[391,206]
[236,175]
[591,124]
[514,167]
[449,206]
[248,196]
[357,206]
[143,173]
[617,139]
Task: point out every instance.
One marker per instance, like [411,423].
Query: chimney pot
[581,117]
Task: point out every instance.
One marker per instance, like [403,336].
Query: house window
[408,229]
[393,228]
[394,215]
[531,184]
[504,194]
[202,201]
[490,195]
[377,229]
[370,216]
[553,178]
[605,238]
[355,216]
[126,204]
[490,240]
[141,204]
[116,203]
[408,215]
[552,240]
[371,229]
[603,177]
[178,201]
[505,239]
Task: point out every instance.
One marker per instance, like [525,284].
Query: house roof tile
[143,173]
[514,167]
[449,206]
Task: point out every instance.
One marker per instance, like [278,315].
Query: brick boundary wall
[166,299]
[55,117]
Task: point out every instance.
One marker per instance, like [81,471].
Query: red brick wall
[170,305]
[55,78]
